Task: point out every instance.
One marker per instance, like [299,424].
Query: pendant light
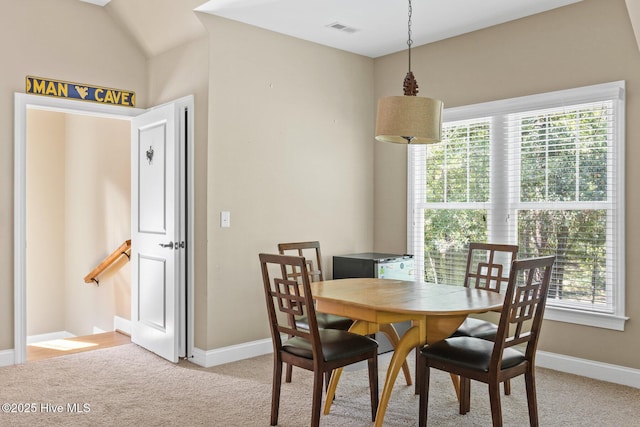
[409,119]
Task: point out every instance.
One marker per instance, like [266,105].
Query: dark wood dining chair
[493,362]
[311,252]
[313,349]
[487,268]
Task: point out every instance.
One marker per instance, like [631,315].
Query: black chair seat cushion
[336,344]
[326,321]
[477,328]
[471,353]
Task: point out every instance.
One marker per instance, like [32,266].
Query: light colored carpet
[128,386]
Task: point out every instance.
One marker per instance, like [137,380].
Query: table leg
[392,334]
[439,328]
[410,340]
[331,390]
[359,327]
[456,384]
[365,328]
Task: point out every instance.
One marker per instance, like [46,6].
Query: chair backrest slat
[309,250]
[291,297]
[524,304]
[488,265]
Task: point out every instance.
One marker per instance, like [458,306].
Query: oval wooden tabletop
[409,297]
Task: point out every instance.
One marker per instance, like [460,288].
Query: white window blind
[545,172]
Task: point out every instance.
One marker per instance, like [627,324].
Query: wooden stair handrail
[123,249]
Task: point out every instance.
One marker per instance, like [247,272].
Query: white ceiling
[380,26]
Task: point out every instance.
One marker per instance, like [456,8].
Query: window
[545,172]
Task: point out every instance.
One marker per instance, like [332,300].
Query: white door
[157,240]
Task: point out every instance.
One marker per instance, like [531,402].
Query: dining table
[435,312]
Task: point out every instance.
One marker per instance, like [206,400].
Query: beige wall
[586,43]
[78,212]
[290,156]
[45,222]
[64,39]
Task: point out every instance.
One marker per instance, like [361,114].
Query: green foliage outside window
[457,172]
[577,239]
[562,161]
[564,156]
[447,233]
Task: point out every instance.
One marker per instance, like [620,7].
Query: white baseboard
[59,335]
[558,362]
[233,353]
[121,324]
[7,358]
[589,368]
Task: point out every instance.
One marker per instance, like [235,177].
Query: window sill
[598,320]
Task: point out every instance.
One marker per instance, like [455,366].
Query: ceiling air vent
[344,28]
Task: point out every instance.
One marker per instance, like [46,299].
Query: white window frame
[499,110]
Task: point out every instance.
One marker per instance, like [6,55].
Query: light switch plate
[225,219]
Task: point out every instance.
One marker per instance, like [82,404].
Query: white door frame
[21,103]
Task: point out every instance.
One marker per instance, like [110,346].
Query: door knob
[166,245]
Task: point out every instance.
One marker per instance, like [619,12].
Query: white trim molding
[558,362]
[597,320]
[122,325]
[7,358]
[233,353]
[588,368]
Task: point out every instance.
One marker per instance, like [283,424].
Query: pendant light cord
[410,84]
[409,41]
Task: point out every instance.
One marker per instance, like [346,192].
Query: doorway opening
[78,198]
[78,159]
